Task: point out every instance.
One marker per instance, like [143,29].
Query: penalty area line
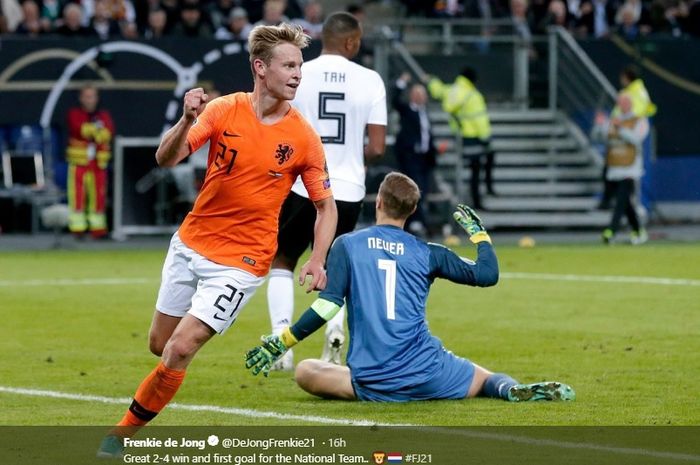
[464,432]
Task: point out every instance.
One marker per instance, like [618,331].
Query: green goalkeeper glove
[467,218]
[262,357]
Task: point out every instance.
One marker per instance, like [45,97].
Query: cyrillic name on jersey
[394,248]
[333,76]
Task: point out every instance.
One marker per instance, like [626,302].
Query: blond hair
[399,194]
[263,39]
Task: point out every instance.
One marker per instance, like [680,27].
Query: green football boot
[608,236]
[111,448]
[547,390]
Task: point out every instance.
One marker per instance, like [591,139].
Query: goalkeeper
[384,274]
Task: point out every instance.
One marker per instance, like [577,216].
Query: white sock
[280,298]
[336,323]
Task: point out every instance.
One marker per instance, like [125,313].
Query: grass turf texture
[629,349]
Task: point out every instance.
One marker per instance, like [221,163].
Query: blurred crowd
[584,18]
[132,19]
[233,19]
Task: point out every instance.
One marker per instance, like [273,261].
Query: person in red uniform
[90,132]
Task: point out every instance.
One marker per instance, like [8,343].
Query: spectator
[31,23]
[642,106]
[312,22]
[556,16]
[238,26]
[469,118]
[157,23]
[597,18]
[447,9]
[626,21]
[102,22]
[71,26]
[633,19]
[172,10]
[668,16]
[220,13]
[10,15]
[192,23]
[273,13]
[50,14]
[414,147]
[625,134]
[90,133]
[573,10]
[520,16]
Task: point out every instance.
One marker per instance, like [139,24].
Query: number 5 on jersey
[323,113]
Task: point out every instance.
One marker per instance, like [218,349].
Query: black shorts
[297,220]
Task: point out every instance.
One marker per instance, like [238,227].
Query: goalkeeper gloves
[261,358]
[467,218]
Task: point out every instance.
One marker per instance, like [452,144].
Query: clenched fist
[194,102]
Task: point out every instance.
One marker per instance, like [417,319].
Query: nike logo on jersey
[230,134]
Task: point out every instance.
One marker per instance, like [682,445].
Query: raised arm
[446,264]
[173,146]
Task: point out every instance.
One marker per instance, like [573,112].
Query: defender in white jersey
[341,100]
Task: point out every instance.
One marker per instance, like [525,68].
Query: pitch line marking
[603,279]
[194,408]
[348,422]
[76,282]
[508,275]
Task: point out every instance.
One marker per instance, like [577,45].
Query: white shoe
[286,363]
[639,237]
[333,347]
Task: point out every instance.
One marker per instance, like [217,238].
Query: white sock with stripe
[280,298]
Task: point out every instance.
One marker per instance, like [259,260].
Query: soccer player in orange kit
[220,255]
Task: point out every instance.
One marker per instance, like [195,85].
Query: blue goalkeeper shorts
[451,382]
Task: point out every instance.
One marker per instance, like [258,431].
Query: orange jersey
[250,171]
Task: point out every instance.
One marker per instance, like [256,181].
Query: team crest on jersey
[283,153]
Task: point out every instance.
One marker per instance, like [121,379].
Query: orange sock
[152,396]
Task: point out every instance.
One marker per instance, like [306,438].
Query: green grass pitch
[630,349]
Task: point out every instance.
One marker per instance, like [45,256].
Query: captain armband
[325,308]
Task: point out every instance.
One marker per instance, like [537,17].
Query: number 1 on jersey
[389,286]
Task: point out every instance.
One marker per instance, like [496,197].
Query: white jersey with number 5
[340,98]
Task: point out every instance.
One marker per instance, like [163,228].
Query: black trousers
[478,153]
[419,167]
[623,192]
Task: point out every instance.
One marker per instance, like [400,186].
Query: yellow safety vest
[642,105]
[466,106]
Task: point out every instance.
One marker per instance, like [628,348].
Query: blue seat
[25,139]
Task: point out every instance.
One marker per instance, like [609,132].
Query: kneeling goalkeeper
[384,274]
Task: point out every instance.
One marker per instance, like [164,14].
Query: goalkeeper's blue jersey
[384,274]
